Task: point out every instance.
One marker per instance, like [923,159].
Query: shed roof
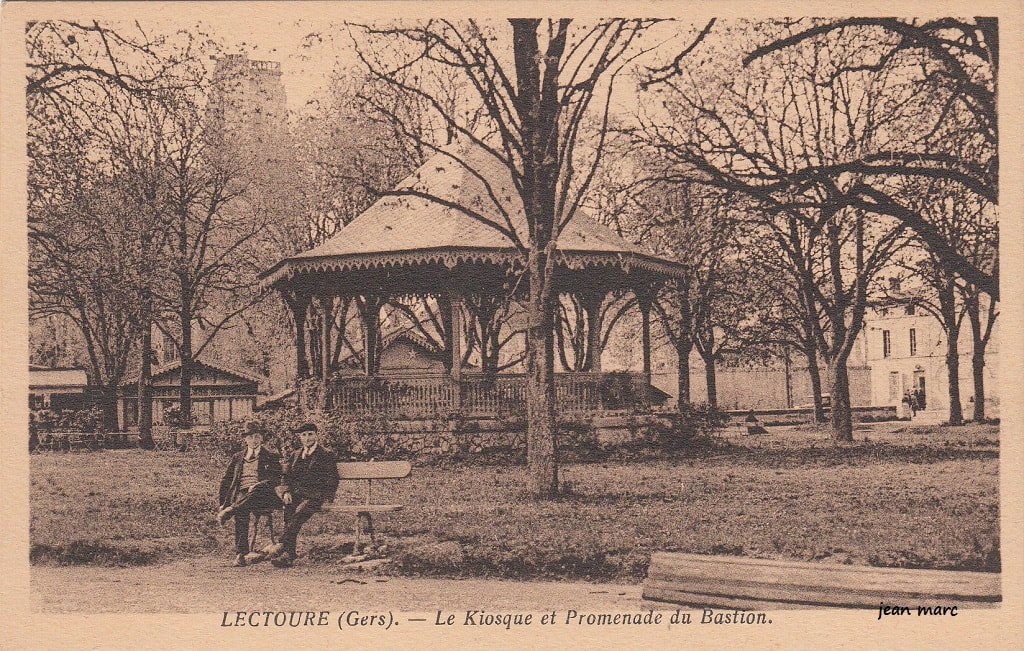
[241,376]
[48,378]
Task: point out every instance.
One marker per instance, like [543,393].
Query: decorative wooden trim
[451,257]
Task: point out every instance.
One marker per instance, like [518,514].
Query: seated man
[310,479]
[249,486]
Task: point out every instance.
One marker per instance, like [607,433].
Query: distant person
[920,399]
[910,402]
[310,479]
[249,486]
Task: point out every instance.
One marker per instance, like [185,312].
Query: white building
[906,350]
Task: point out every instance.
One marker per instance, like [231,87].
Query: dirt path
[210,585]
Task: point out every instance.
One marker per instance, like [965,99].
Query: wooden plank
[980,584]
[833,575]
[374,469]
[707,580]
[804,595]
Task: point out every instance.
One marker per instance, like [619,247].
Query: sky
[309,49]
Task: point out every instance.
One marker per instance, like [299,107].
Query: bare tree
[783,316]
[213,228]
[697,226]
[536,84]
[954,63]
[82,267]
[67,58]
[95,85]
[752,133]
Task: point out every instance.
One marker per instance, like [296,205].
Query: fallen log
[753,584]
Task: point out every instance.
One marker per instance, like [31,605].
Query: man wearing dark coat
[249,486]
[310,479]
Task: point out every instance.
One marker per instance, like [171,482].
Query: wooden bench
[368,471]
[752,584]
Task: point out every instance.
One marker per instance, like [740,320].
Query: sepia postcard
[488,325]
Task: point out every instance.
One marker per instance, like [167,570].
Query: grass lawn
[905,497]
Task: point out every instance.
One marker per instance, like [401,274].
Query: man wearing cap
[248,486]
[310,479]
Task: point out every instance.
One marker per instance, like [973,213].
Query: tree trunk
[146,374]
[978,369]
[684,343]
[978,344]
[815,375]
[951,328]
[108,405]
[842,414]
[712,381]
[541,447]
[956,414]
[683,375]
[185,390]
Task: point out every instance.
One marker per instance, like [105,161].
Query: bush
[276,425]
[45,421]
[692,422]
[618,391]
[370,436]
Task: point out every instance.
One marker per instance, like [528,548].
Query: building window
[886,344]
[913,342]
[894,386]
[910,309]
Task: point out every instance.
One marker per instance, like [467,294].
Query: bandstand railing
[476,395]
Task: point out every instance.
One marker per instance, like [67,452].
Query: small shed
[407,353]
[218,394]
[403,353]
[57,388]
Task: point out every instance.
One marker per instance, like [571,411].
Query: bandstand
[414,247]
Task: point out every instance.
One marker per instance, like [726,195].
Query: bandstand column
[456,337]
[298,303]
[370,316]
[591,303]
[326,304]
[644,302]
[456,350]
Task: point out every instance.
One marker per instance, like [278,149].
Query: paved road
[207,585]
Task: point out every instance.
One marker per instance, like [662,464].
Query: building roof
[279,399]
[176,365]
[40,377]
[408,230]
[413,338]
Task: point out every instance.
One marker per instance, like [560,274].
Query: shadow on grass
[79,552]
[854,454]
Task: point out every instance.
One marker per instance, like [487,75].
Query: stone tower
[248,106]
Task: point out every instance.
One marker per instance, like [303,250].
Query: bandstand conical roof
[403,232]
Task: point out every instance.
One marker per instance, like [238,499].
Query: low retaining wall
[804,415]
